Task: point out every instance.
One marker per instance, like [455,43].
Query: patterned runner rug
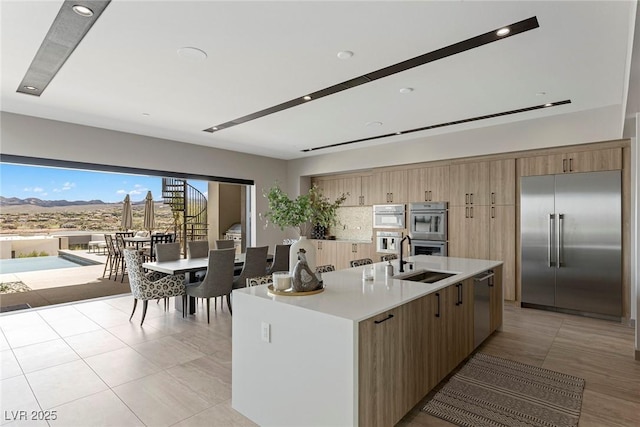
[491,391]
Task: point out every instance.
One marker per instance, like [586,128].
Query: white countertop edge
[348,296]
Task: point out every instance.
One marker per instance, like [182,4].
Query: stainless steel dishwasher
[481,307]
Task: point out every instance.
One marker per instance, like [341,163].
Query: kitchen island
[363,352]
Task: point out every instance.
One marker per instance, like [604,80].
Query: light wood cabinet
[486,232]
[428,184]
[502,245]
[355,188]
[389,187]
[572,162]
[381,370]
[469,184]
[347,251]
[502,182]
[458,323]
[326,252]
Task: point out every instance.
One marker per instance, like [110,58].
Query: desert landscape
[31,219]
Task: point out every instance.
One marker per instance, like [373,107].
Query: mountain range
[33,201]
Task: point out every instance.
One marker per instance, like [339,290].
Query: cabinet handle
[391,199]
[564,165]
[493,198]
[466,212]
[570,164]
[426,198]
[466,198]
[460,293]
[493,212]
[458,296]
[471,212]
[383,320]
[470,198]
[430,196]
[438,312]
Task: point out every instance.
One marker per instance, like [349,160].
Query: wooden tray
[291,293]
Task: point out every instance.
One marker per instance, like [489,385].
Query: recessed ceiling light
[374,124]
[146,114]
[406,90]
[345,54]
[306,98]
[548,104]
[30,87]
[215,128]
[398,133]
[503,31]
[541,93]
[82,10]
[192,53]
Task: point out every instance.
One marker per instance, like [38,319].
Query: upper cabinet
[430,184]
[572,162]
[483,183]
[356,188]
[389,187]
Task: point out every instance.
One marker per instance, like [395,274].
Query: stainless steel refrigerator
[571,237]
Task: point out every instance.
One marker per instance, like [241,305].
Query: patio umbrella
[127,215]
[148,212]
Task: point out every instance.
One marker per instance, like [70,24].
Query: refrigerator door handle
[550,262]
[559,241]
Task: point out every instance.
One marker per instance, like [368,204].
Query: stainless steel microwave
[388,216]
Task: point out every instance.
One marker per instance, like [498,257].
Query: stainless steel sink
[424,276]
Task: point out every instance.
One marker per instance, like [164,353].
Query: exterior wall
[25,245]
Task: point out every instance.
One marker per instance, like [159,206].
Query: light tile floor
[93,367]
[90,366]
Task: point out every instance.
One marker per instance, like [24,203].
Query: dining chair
[165,252]
[145,289]
[198,248]
[325,268]
[255,264]
[126,234]
[120,264]
[149,252]
[112,254]
[388,257]
[218,281]
[359,262]
[280,259]
[224,244]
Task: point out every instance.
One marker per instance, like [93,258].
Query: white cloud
[121,192]
[38,189]
[135,192]
[68,185]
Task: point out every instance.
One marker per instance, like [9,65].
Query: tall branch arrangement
[303,212]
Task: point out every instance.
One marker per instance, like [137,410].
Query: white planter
[310,250]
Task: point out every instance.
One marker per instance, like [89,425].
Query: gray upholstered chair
[280,259]
[167,252]
[388,257]
[144,289]
[218,281]
[255,264]
[198,249]
[224,244]
[359,262]
[325,268]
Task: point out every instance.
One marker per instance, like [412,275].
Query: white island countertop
[348,296]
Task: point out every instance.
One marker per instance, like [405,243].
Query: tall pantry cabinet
[482,216]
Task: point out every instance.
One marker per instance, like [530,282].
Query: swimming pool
[20,265]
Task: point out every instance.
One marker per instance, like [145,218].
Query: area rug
[491,391]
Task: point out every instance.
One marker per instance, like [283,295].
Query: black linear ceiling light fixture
[453,49]
[73,22]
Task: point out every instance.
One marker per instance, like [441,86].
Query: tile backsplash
[354,223]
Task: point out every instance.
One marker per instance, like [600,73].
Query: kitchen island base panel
[306,372]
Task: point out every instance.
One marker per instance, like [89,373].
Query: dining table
[189,266]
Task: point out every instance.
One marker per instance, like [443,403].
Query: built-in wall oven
[388,216]
[428,228]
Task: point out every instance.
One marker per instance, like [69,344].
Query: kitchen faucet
[403,262]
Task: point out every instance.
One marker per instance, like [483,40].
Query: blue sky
[71,184]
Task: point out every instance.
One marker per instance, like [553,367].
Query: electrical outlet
[266,332]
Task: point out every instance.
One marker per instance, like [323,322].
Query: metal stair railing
[189,208]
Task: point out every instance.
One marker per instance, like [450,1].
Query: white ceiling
[261,54]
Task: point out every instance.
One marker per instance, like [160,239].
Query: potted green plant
[302,213]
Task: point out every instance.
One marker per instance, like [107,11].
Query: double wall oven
[428,228]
